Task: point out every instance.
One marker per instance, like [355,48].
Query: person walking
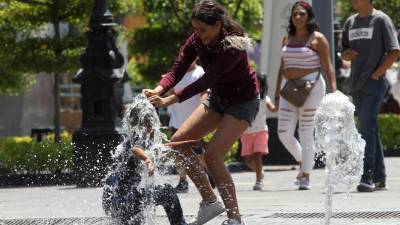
[369,41]
[305,52]
[179,112]
[221,45]
[255,138]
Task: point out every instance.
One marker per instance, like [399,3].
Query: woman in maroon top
[221,45]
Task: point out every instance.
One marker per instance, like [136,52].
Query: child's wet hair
[140,114]
[138,117]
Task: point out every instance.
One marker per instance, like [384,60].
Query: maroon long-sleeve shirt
[227,71]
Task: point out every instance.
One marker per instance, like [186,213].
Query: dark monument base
[278,155]
[92,155]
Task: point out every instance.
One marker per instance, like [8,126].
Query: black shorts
[242,111]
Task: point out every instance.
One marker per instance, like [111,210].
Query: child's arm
[139,152]
[271,106]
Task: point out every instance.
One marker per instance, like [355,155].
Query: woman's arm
[279,78]
[187,55]
[222,64]
[158,101]
[325,57]
[278,84]
[157,91]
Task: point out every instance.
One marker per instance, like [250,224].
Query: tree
[26,47]
[390,7]
[156,45]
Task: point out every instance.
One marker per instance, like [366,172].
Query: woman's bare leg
[228,131]
[201,122]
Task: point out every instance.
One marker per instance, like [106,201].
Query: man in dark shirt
[370,43]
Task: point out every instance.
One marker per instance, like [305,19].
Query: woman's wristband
[276,98]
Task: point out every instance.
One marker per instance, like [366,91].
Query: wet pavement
[278,204]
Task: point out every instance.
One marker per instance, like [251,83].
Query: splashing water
[128,178]
[337,137]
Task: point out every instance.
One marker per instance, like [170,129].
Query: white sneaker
[207,212]
[258,186]
[233,222]
[297,181]
[298,177]
[304,183]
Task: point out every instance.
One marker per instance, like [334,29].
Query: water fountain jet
[337,137]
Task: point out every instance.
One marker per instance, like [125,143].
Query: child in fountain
[123,199]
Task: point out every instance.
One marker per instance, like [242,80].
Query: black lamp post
[102,78]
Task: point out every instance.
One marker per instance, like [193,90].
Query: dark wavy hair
[312,24]
[209,12]
[263,84]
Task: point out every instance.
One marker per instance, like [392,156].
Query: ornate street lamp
[102,78]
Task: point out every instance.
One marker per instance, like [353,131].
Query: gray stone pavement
[279,203]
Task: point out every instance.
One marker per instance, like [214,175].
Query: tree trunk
[57,102]
[57,106]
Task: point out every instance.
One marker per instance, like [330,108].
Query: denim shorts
[242,111]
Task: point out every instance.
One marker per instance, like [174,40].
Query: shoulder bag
[296,91]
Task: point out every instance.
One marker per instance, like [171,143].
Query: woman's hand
[159,90]
[149,92]
[150,166]
[158,101]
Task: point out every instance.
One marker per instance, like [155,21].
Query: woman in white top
[305,51]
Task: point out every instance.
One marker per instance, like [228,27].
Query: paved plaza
[278,204]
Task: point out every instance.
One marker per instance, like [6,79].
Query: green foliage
[11,82]
[156,45]
[231,156]
[389,130]
[27,48]
[390,7]
[389,125]
[22,155]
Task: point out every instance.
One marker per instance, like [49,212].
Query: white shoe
[298,178]
[207,212]
[233,222]
[258,186]
[304,183]
[297,181]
